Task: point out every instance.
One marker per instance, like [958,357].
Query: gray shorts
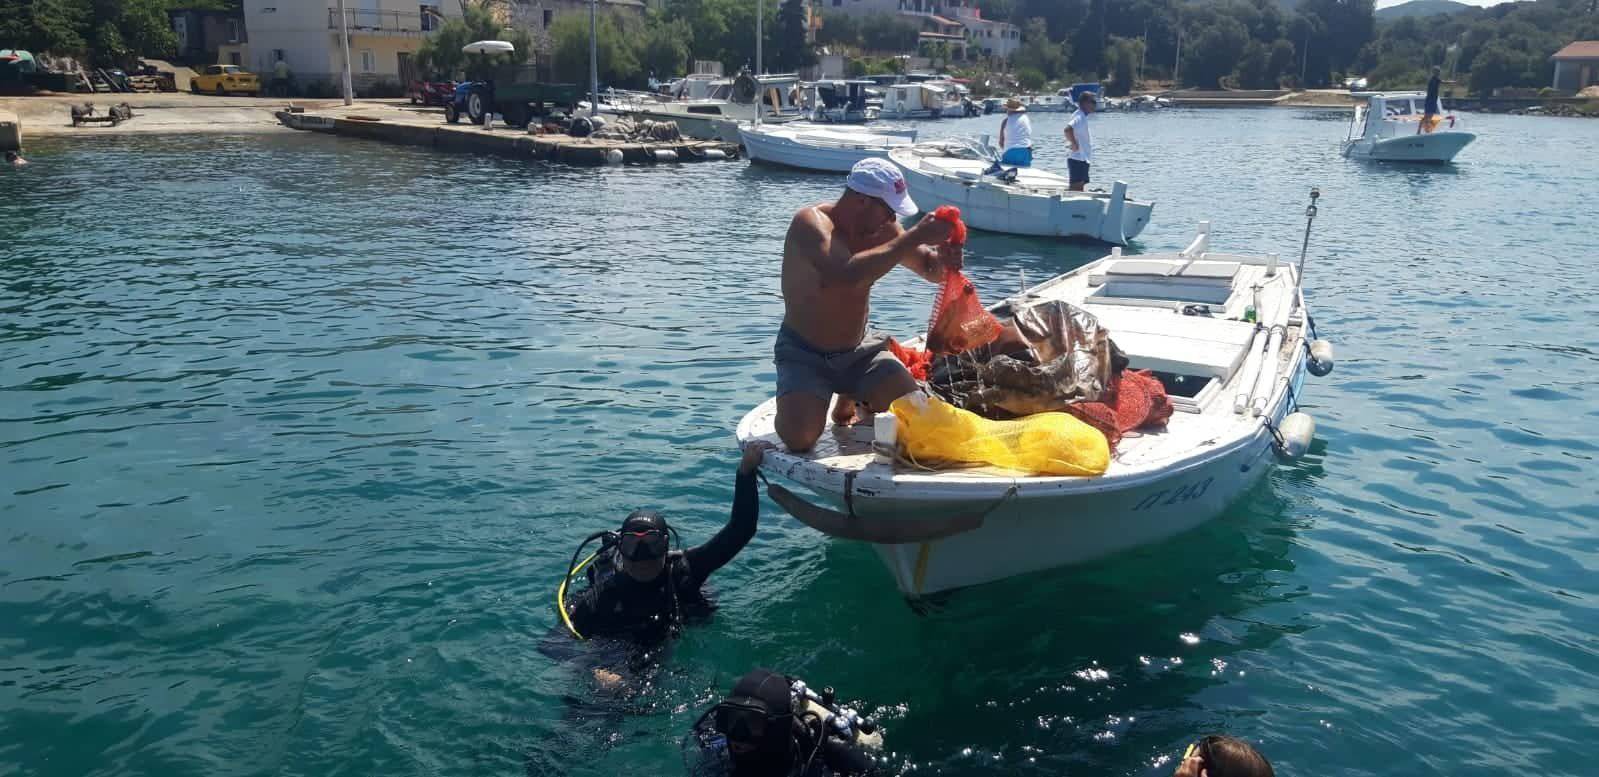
[801,367]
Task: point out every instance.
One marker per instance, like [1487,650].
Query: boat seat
[1211,347]
[1197,281]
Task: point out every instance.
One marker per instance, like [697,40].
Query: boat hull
[1431,147]
[1092,216]
[785,152]
[1025,533]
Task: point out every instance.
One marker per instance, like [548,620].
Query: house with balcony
[955,23]
[985,37]
[384,38]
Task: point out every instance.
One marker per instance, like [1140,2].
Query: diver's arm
[713,555]
[845,759]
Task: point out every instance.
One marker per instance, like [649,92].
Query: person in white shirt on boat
[1081,141]
[1016,135]
[833,254]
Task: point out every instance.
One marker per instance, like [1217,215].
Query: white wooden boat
[923,100]
[812,147]
[737,102]
[1387,128]
[1037,202]
[1231,380]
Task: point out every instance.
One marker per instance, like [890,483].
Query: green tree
[1039,53]
[839,29]
[569,39]
[55,26]
[664,47]
[1031,78]
[440,56]
[1122,56]
[883,33]
[791,52]
[1211,52]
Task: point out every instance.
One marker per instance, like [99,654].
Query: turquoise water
[298,435]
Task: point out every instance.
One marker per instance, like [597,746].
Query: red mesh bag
[959,321]
[914,359]
[1139,402]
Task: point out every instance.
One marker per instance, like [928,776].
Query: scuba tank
[836,720]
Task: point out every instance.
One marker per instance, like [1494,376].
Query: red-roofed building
[1577,66]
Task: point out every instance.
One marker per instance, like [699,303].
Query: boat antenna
[1310,217]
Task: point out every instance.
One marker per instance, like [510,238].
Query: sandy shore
[51,115]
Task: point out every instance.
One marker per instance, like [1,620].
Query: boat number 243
[1173,496]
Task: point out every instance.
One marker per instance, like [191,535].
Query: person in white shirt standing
[1016,135]
[1080,140]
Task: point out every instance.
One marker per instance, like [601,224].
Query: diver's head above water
[1223,756]
[642,543]
[757,719]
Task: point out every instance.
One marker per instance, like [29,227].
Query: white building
[985,37]
[384,38]
[982,37]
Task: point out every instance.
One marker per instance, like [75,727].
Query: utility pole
[760,18]
[1305,61]
[344,43]
[594,58]
[1177,66]
[1142,51]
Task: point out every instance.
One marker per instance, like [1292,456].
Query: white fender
[1297,430]
[1321,358]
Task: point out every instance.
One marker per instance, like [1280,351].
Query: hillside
[1419,8]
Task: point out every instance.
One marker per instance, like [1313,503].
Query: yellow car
[223,79]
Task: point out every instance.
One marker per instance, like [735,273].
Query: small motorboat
[1230,338]
[814,147]
[1388,128]
[1030,202]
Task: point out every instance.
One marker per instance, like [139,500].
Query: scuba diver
[775,726]
[639,588]
[1223,756]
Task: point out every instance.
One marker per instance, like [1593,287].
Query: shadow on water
[1105,661]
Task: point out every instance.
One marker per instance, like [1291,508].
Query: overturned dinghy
[1035,202]
[1191,319]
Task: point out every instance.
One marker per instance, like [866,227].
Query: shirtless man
[833,254]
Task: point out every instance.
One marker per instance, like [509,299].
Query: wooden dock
[507,142]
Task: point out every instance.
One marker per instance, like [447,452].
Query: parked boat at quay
[924,100]
[1033,202]
[815,147]
[1387,128]
[1190,317]
[746,98]
[840,102]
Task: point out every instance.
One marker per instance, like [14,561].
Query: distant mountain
[1419,8]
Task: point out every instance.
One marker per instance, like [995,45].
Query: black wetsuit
[709,757]
[616,605]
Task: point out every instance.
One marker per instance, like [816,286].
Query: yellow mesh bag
[932,430]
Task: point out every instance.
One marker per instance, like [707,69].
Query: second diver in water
[638,586]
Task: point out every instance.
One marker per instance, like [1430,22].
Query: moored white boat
[1235,385]
[1037,202]
[1388,129]
[812,147]
[740,101]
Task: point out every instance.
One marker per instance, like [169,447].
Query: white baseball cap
[882,179]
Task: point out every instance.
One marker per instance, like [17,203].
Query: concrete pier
[413,129]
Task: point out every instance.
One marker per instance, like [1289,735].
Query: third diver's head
[1223,756]
[757,719]
[642,544]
